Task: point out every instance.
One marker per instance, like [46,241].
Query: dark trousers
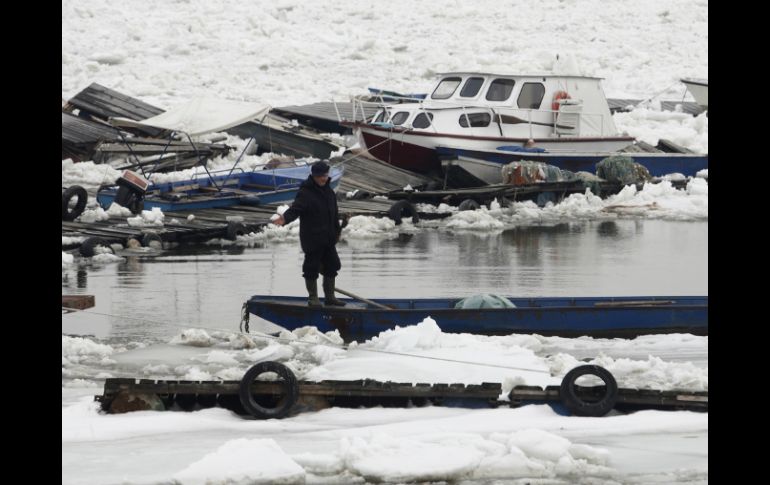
[324,260]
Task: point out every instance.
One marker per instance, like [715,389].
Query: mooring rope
[326,344]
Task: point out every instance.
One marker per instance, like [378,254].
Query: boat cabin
[530,106]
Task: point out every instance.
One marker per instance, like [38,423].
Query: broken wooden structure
[323,116]
[81,137]
[373,177]
[274,134]
[97,103]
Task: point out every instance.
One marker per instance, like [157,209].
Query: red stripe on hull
[402,155]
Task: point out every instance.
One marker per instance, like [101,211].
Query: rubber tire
[235,229]
[361,195]
[468,205]
[290,386]
[80,205]
[544,198]
[88,246]
[577,406]
[149,237]
[403,208]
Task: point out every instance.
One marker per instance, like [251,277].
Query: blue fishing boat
[211,190]
[608,317]
[485,165]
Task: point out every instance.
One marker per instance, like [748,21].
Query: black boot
[330,299]
[312,290]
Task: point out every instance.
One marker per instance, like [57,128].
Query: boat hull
[486,165]
[567,317]
[415,150]
[249,188]
[699,90]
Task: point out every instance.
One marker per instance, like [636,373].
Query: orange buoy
[556,97]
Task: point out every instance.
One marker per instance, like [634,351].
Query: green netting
[622,169]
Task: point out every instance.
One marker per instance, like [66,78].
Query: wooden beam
[77,302]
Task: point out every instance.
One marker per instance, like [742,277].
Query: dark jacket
[319,221]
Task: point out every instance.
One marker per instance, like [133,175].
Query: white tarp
[200,116]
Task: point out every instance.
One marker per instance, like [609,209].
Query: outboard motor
[132,188]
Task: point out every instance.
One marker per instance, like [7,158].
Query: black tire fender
[505,202]
[89,245]
[403,208]
[80,205]
[360,195]
[468,205]
[579,407]
[235,229]
[290,386]
[150,237]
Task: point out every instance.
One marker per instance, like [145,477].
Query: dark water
[205,286]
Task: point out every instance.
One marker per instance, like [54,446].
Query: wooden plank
[79,130]
[152,149]
[106,102]
[669,146]
[325,110]
[78,302]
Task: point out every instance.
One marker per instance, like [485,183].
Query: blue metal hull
[568,317]
[252,188]
[657,163]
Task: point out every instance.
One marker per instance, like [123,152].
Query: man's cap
[319,168]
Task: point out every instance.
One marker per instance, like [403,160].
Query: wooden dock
[225,222]
[124,395]
[370,177]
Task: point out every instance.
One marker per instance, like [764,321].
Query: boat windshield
[446,88]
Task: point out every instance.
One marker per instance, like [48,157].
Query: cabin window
[422,120]
[399,118]
[471,87]
[531,95]
[446,88]
[477,120]
[500,89]
[380,117]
